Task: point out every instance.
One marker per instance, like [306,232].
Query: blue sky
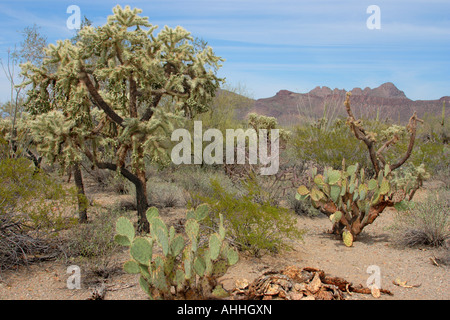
[273,45]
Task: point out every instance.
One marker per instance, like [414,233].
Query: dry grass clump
[428,223]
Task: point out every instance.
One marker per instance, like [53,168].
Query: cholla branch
[368,138]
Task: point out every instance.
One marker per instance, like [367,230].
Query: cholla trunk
[82,203]
[142,203]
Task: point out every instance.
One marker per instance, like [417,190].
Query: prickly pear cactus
[347,237]
[184,266]
[353,200]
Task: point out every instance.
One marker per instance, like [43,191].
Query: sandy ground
[48,280]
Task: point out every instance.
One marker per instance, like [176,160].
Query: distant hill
[290,107]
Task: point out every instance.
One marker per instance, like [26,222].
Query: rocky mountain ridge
[386,100]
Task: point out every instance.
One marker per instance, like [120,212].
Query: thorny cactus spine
[186,267]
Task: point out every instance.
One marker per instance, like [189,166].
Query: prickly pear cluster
[350,198]
[185,267]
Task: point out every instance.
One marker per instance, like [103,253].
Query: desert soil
[47,280]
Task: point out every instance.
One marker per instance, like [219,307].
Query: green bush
[32,207]
[95,239]
[254,226]
[196,181]
[327,146]
[427,223]
[33,197]
[164,194]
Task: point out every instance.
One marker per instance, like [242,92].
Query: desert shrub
[94,239]
[196,181]
[91,245]
[32,206]
[255,227]
[427,223]
[18,245]
[164,194]
[33,197]
[110,181]
[327,146]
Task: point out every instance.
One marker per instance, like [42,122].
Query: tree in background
[30,49]
[101,97]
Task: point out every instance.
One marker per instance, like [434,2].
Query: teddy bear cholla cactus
[351,199]
[114,96]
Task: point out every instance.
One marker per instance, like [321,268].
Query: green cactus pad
[169,264]
[199,266]
[124,227]
[318,180]
[190,215]
[201,212]
[122,240]
[180,278]
[335,191]
[352,169]
[351,187]
[303,190]
[376,197]
[362,190]
[380,177]
[232,256]
[208,263]
[220,268]
[387,170]
[192,230]
[157,223]
[313,172]
[362,175]
[159,280]
[355,195]
[145,286]
[367,208]
[141,250]
[188,263]
[219,292]
[152,213]
[214,246]
[348,238]
[344,187]
[373,184]
[335,217]
[333,176]
[384,187]
[171,234]
[222,231]
[131,267]
[162,239]
[177,245]
[316,194]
